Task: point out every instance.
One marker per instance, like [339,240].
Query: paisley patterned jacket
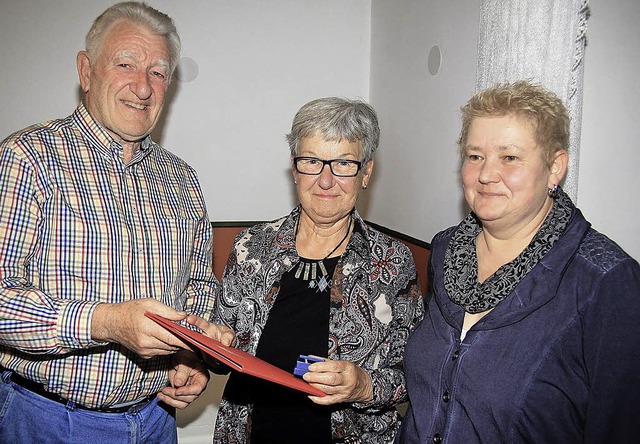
[375,304]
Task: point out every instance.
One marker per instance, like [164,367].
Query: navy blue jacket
[557,361]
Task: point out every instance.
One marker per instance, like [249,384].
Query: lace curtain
[539,40]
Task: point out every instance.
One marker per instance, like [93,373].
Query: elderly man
[99,224]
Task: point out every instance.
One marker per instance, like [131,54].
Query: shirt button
[455,355]
[446,397]
[437,438]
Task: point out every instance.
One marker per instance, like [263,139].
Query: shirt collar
[99,138]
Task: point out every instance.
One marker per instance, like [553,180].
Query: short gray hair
[335,119]
[140,14]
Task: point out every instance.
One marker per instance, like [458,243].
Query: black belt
[38,389]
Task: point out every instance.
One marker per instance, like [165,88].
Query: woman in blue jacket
[533,321]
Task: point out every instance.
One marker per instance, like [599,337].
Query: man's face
[126,83]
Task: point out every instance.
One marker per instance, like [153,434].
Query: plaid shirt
[79,227]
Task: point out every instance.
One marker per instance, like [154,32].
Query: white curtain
[539,40]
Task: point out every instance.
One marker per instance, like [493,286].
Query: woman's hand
[219,332]
[342,381]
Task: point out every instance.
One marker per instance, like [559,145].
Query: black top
[298,324]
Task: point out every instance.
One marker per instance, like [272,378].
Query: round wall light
[187,70]
[433,60]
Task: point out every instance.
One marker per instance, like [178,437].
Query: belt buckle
[125,408]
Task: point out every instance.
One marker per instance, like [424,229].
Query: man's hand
[126,324]
[188,378]
[342,381]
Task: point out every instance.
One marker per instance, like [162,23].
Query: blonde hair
[534,105]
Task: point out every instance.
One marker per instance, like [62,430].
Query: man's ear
[84,70]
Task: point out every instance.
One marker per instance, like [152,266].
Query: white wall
[415,189]
[609,181]
[416,183]
[260,61]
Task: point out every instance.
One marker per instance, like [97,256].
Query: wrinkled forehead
[125,38]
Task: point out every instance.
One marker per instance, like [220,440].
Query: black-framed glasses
[339,167]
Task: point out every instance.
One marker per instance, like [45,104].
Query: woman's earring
[553,192]
[364,186]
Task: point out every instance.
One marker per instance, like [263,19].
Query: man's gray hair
[140,14]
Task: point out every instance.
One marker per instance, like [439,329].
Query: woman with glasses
[320,282]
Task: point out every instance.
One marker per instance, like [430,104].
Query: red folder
[236,359]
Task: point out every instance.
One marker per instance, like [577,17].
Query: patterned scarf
[461,262]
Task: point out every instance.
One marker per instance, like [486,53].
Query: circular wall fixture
[187,70]
[434,60]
